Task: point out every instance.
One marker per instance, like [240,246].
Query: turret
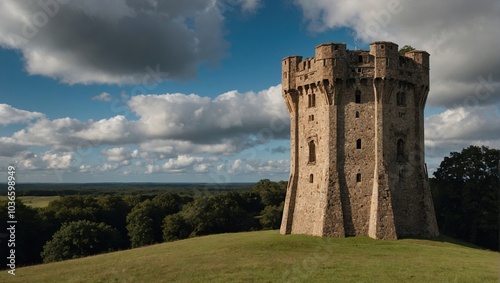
[289,67]
[331,58]
[386,59]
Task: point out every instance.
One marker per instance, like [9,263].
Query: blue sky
[189,91]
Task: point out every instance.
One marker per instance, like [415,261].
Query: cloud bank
[116,41]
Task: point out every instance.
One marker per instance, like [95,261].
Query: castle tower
[357,143]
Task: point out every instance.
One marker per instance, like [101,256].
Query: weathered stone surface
[357,143]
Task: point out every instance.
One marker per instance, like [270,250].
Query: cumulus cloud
[464,124]
[120,154]
[43,161]
[173,133]
[9,147]
[462,38]
[197,119]
[122,41]
[173,124]
[10,115]
[105,97]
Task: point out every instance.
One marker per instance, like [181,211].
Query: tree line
[81,225]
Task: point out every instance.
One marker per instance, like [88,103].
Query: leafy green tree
[271,216]
[407,48]
[271,193]
[176,227]
[465,190]
[29,234]
[144,222]
[113,210]
[80,238]
[219,213]
[140,225]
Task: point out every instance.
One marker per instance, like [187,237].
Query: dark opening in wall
[358,144]
[312,152]
[360,59]
[358,178]
[401,99]
[357,114]
[358,97]
[400,154]
[311,178]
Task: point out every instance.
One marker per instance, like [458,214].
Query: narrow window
[360,59]
[312,152]
[312,117]
[309,100]
[400,155]
[401,99]
[335,47]
[359,70]
[358,178]
[382,46]
[311,178]
[387,62]
[357,114]
[313,100]
[358,97]
[309,64]
[358,144]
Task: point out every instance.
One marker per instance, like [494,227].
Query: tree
[465,189]
[144,222]
[80,238]
[29,234]
[271,193]
[404,49]
[219,213]
[176,227]
[271,216]
[140,225]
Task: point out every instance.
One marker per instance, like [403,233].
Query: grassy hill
[270,257]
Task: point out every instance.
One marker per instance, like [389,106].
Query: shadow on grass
[447,239]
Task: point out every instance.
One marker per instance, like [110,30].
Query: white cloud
[195,118]
[120,41]
[44,161]
[105,97]
[462,37]
[9,147]
[10,115]
[57,160]
[185,162]
[119,154]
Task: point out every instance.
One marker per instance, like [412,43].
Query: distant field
[34,201]
[270,257]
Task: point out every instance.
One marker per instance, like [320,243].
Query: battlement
[334,60]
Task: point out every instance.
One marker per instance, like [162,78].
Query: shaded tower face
[357,145]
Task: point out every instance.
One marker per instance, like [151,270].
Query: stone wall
[360,115]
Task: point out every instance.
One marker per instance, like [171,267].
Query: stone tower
[357,143]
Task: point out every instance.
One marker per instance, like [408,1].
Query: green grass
[37,201]
[34,201]
[270,257]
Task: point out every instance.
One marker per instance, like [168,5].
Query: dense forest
[78,225]
[88,219]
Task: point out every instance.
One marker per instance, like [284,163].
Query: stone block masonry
[357,143]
